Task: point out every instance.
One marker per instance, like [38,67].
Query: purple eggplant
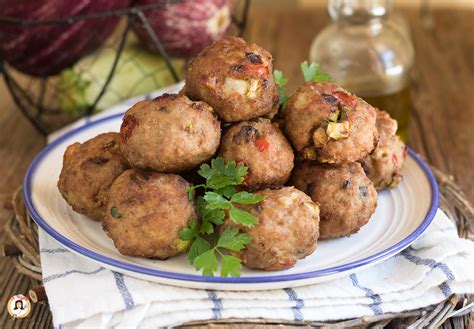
[46,49]
[185,28]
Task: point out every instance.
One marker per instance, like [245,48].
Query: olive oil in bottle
[398,104]
[369,54]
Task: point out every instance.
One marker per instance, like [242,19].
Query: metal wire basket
[36,97]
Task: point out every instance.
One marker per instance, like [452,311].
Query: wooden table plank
[441,128]
[443,100]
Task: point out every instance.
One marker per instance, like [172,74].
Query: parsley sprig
[204,256]
[282,91]
[312,72]
[219,199]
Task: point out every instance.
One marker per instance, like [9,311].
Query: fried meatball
[261,146]
[326,123]
[169,134]
[385,164]
[347,198]
[288,230]
[88,171]
[146,211]
[235,78]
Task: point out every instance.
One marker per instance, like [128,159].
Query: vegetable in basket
[46,49]
[186,27]
[138,72]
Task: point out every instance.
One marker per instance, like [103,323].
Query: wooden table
[441,128]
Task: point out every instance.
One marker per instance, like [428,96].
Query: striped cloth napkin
[81,293]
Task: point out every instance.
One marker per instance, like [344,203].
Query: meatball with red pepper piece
[169,134]
[288,230]
[385,164]
[145,213]
[235,78]
[346,197]
[88,171]
[326,123]
[261,146]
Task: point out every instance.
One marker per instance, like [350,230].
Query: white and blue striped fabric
[83,294]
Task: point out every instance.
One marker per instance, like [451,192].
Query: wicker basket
[455,312]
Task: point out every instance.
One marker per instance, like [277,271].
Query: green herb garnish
[115,213]
[220,174]
[206,259]
[312,72]
[282,91]
[219,199]
[190,232]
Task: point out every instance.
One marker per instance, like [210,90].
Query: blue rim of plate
[199,278]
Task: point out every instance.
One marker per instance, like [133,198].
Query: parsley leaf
[200,205]
[207,227]
[209,216]
[312,72]
[227,191]
[115,213]
[281,81]
[216,201]
[215,216]
[230,265]
[279,78]
[220,174]
[204,258]
[245,197]
[198,247]
[242,217]
[232,240]
[206,261]
[205,170]
[217,182]
[190,232]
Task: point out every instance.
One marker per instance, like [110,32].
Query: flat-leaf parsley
[218,201]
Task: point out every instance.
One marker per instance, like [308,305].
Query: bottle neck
[358,11]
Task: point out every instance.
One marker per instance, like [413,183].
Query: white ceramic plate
[402,215]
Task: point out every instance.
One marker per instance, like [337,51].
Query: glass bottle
[369,54]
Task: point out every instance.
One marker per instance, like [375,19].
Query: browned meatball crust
[88,171]
[145,212]
[347,198]
[169,134]
[326,123]
[385,164]
[288,230]
[386,126]
[235,78]
[261,146]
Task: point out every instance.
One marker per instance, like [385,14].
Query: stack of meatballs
[132,181]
